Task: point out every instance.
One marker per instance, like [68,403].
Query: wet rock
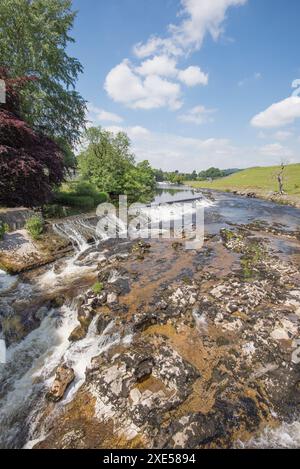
[78,333]
[63,378]
[102,323]
[57,302]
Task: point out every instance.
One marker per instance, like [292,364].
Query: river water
[31,362]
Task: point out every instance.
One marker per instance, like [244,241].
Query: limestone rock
[64,376]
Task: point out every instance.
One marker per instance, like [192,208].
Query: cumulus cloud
[193,76]
[275,149]
[96,114]
[158,65]
[279,114]
[124,85]
[156,81]
[199,17]
[197,115]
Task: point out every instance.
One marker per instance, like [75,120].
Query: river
[31,362]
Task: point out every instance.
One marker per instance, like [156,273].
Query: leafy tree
[34,35]
[108,163]
[30,163]
[212,173]
[159,175]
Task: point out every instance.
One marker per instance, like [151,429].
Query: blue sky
[214,88]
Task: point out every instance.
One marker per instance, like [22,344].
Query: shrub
[100,198]
[85,188]
[35,226]
[54,211]
[97,288]
[73,200]
[4,228]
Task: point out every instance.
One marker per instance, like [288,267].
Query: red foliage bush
[30,163]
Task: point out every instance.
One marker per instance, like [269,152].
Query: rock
[85,315]
[176,245]
[144,322]
[135,396]
[64,376]
[78,333]
[102,323]
[162,305]
[57,302]
[231,308]
[143,370]
[279,334]
[112,298]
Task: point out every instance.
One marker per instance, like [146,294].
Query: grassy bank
[260,180]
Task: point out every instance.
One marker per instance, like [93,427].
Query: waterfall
[30,369]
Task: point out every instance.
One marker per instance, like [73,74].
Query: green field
[261,180]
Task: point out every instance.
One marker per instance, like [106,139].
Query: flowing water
[30,363]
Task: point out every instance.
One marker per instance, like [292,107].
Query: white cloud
[279,114]
[257,76]
[283,135]
[193,76]
[96,114]
[170,151]
[124,85]
[199,17]
[197,115]
[144,86]
[275,149]
[159,65]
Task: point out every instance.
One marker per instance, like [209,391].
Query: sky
[194,83]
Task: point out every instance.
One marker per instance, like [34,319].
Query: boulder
[102,323]
[63,377]
[78,333]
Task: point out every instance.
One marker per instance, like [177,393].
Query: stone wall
[16,217]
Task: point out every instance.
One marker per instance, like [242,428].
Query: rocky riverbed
[195,349]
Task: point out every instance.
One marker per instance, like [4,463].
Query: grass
[97,288]
[258,179]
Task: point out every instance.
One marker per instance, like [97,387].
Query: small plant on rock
[4,228]
[97,288]
[35,226]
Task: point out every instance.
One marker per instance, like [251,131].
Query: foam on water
[286,436]
[7,282]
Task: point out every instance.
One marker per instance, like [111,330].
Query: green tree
[108,163]
[34,35]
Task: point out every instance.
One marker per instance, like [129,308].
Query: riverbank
[19,252]
[259,182]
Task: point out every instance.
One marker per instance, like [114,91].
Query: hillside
[261,180]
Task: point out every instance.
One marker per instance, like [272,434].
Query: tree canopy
[33,39]
[30,163]
[108,162]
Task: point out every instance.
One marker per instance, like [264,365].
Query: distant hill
[256,179]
